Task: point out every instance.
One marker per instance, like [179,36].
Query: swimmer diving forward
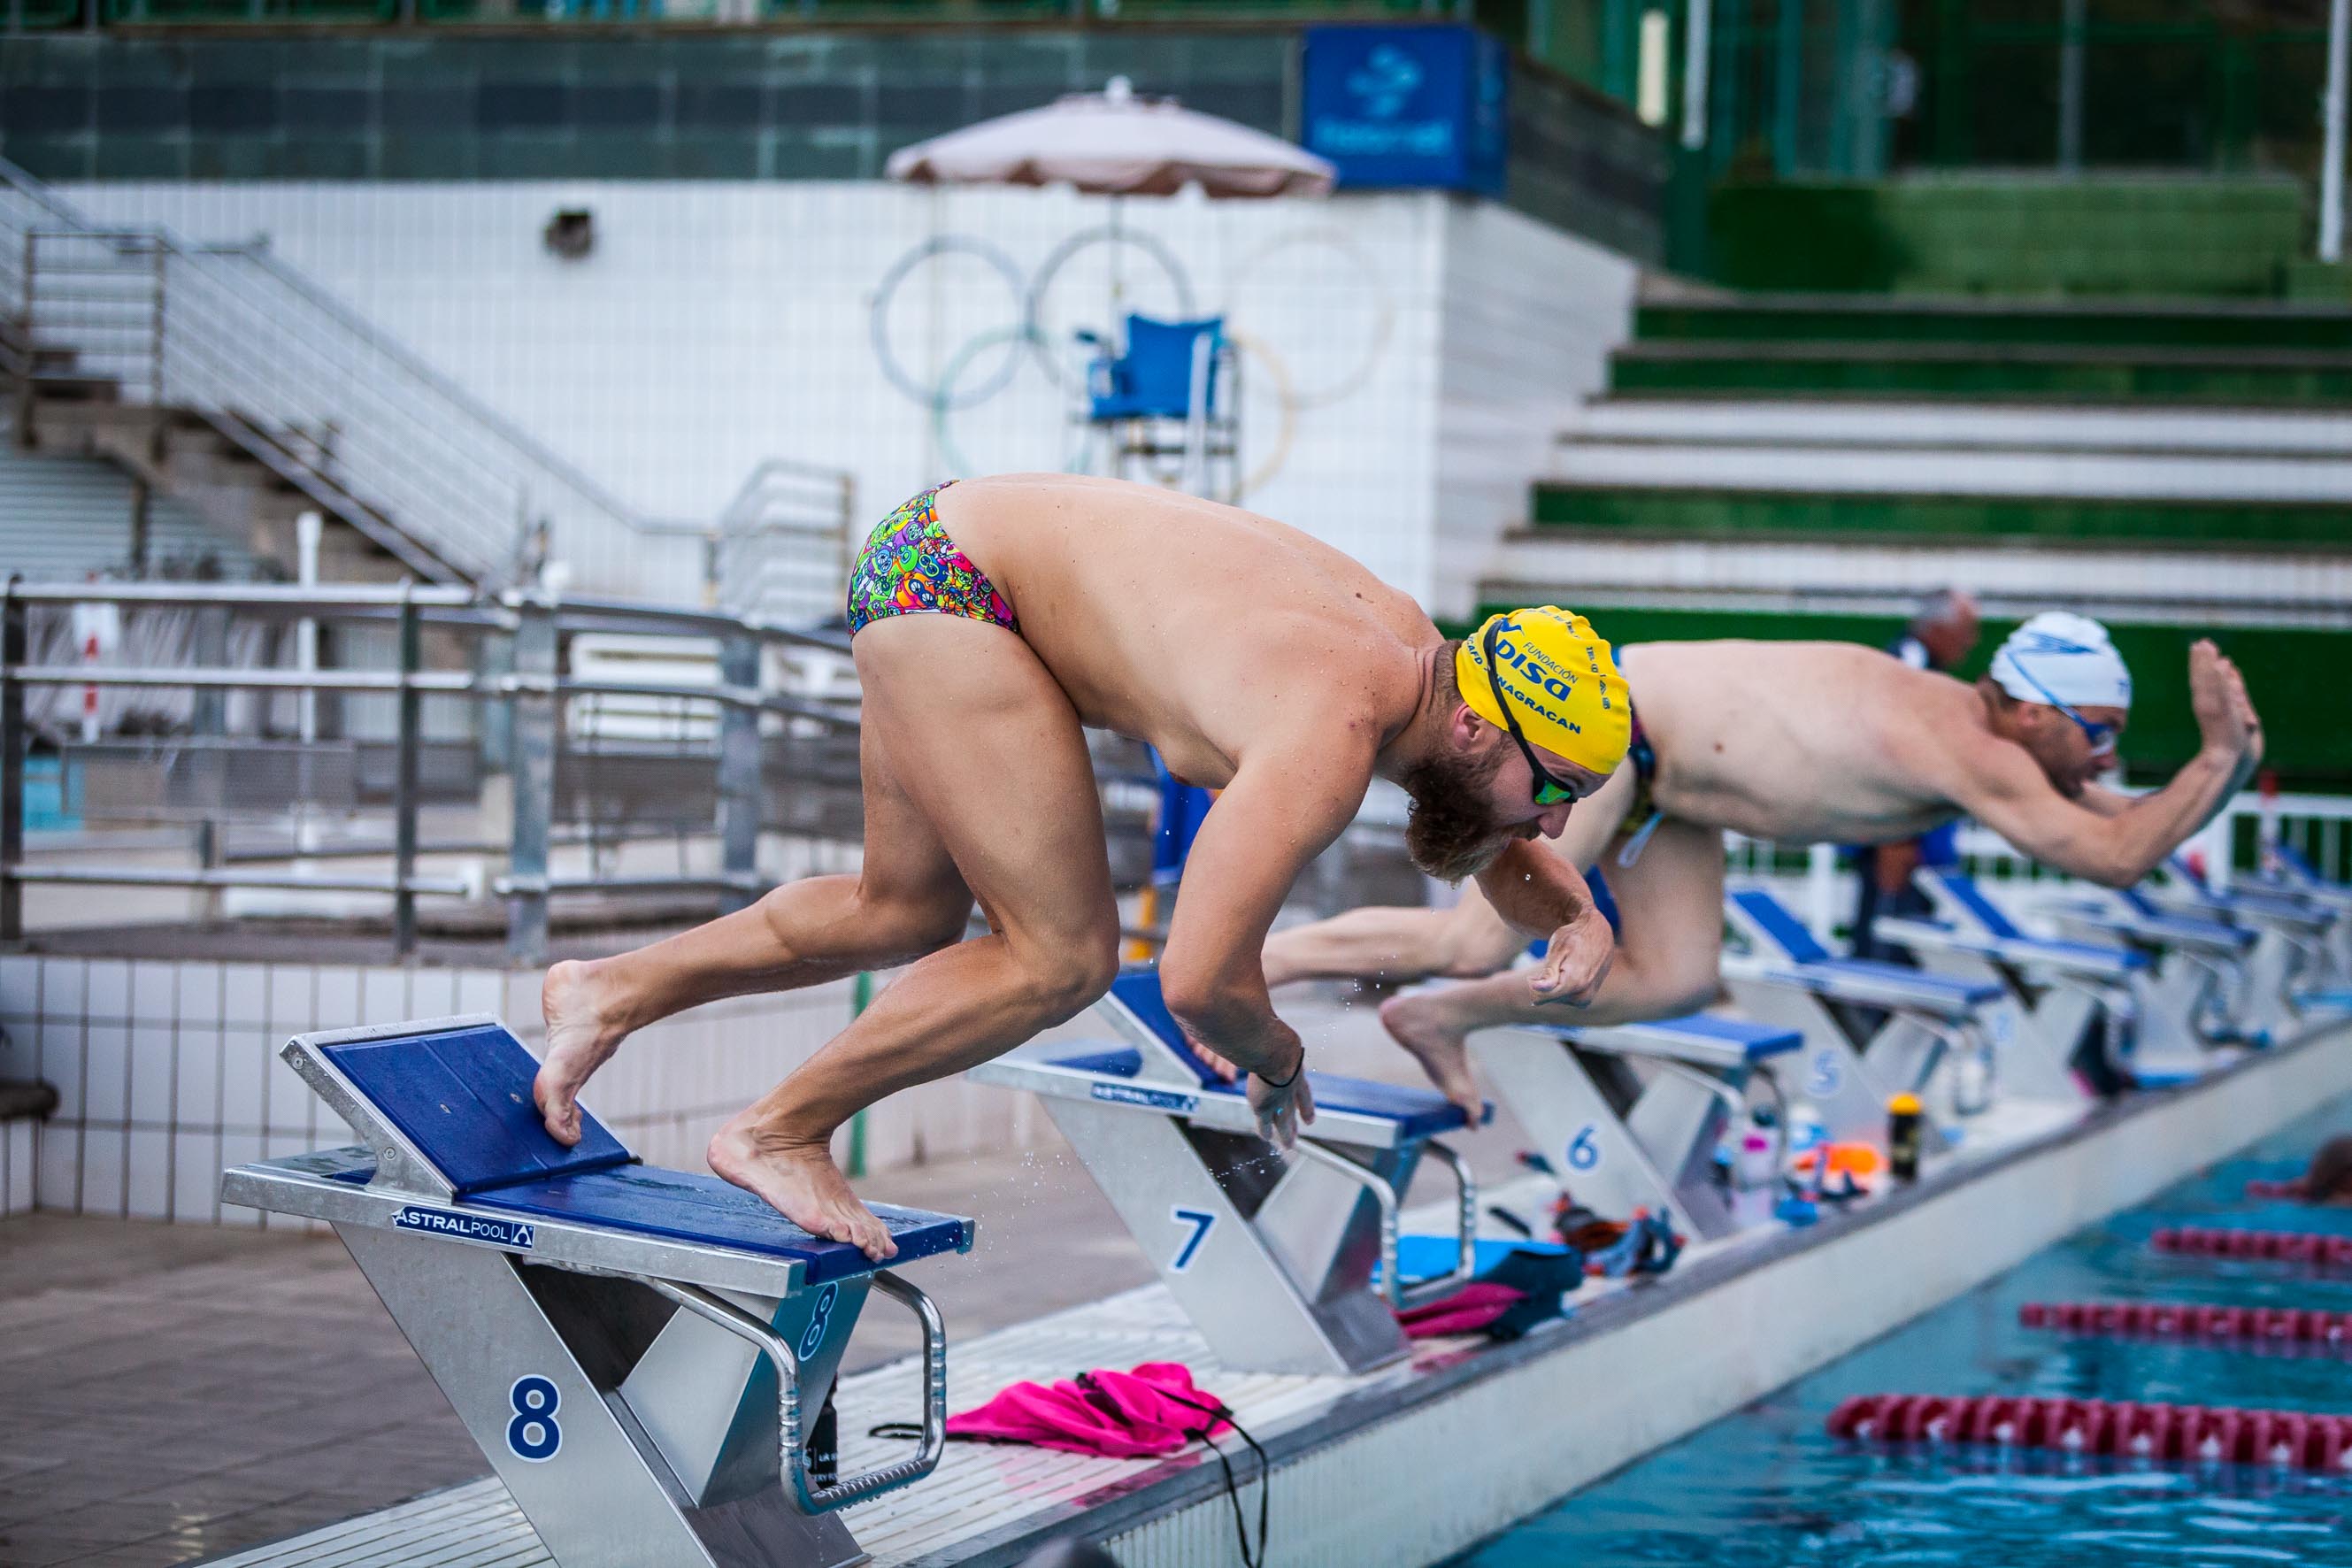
[990,621]
[1798,742]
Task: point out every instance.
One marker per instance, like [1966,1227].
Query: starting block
[1271,1256]
[2198,965]
[2292,871]
[1794,982]
[1619,1143]
[2052,991]
[2290,969]
[640,1353]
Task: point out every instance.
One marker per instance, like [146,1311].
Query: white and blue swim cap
[2059,657]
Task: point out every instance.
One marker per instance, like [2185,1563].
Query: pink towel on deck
[1153,1411]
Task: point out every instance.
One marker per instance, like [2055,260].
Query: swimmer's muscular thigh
[988,752]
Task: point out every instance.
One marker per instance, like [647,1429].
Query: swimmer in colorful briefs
[1797,743]
[1257,661]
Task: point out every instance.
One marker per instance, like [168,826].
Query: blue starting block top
[1418,1112]
[1756,1041]
[2159,924]
[1813,961]
[462,1097]
[1998,925]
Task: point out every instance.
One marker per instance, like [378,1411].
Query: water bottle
[1808,1133]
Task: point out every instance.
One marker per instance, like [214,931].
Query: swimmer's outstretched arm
[1395,944]
[2003,788]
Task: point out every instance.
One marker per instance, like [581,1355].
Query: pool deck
[255,1336]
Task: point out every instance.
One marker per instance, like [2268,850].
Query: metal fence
[504,656]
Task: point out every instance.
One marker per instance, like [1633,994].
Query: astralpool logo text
[1154,1099]
[465,1227]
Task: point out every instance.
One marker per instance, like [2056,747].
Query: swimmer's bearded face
[1455,830]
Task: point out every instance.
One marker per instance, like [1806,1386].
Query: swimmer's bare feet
[580,1039]
[1420,1024]
[800,1181]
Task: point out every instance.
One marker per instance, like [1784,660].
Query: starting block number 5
[1201,1222]
[533,1435]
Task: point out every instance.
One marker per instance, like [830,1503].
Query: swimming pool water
[1767,1486]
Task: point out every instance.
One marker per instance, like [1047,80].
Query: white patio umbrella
[1116,144]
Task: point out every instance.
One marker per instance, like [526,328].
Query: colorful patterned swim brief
[909,566]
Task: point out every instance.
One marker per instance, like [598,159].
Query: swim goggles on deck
[1548,790]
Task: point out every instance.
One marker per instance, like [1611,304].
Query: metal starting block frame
[1271,1254]
[2291,965]
[1616,1142]
[1793,981]
[2293,872]
[2197,966]
[2053,992]
[640,1353]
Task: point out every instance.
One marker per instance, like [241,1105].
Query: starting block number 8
[533,1435]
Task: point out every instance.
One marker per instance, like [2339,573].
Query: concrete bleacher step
[2286,434]
[1882,575]
[1828,467]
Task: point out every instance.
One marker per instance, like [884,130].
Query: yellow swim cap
[1563,687]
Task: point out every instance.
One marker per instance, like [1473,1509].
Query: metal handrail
[260,349]
[792,1439]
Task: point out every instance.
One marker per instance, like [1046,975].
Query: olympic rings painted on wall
[1019,332]
[1375,342]
[1086,238]
[1025,337]
[878,317]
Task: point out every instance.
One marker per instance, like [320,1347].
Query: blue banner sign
[1409,107]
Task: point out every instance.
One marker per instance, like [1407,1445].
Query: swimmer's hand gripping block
[639,1353]
[1274,1256]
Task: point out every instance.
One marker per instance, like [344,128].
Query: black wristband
[1286,1083]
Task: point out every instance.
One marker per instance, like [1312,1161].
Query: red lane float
[2277,1246]
[2192,1321]
[2260,1191]
[2292,1439]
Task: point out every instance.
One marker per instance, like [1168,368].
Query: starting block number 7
[1200,1221]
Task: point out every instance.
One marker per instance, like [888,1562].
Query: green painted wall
[2298,679]
[2026,235]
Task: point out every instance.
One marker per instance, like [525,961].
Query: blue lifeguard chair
[1169,402]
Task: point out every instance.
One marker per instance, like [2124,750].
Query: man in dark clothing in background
[1938,637]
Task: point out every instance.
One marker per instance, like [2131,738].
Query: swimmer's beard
[1451,832]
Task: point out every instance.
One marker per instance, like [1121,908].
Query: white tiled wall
[1529,316]
[1424,338]
[168,1071]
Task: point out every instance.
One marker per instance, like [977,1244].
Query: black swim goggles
[1549,790]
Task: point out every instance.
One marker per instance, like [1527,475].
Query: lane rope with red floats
[2190,1320]
[2291,1439]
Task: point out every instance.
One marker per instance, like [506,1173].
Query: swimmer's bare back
[1193,625]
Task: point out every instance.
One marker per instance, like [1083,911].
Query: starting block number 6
[1583,1153]
[533,1435]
